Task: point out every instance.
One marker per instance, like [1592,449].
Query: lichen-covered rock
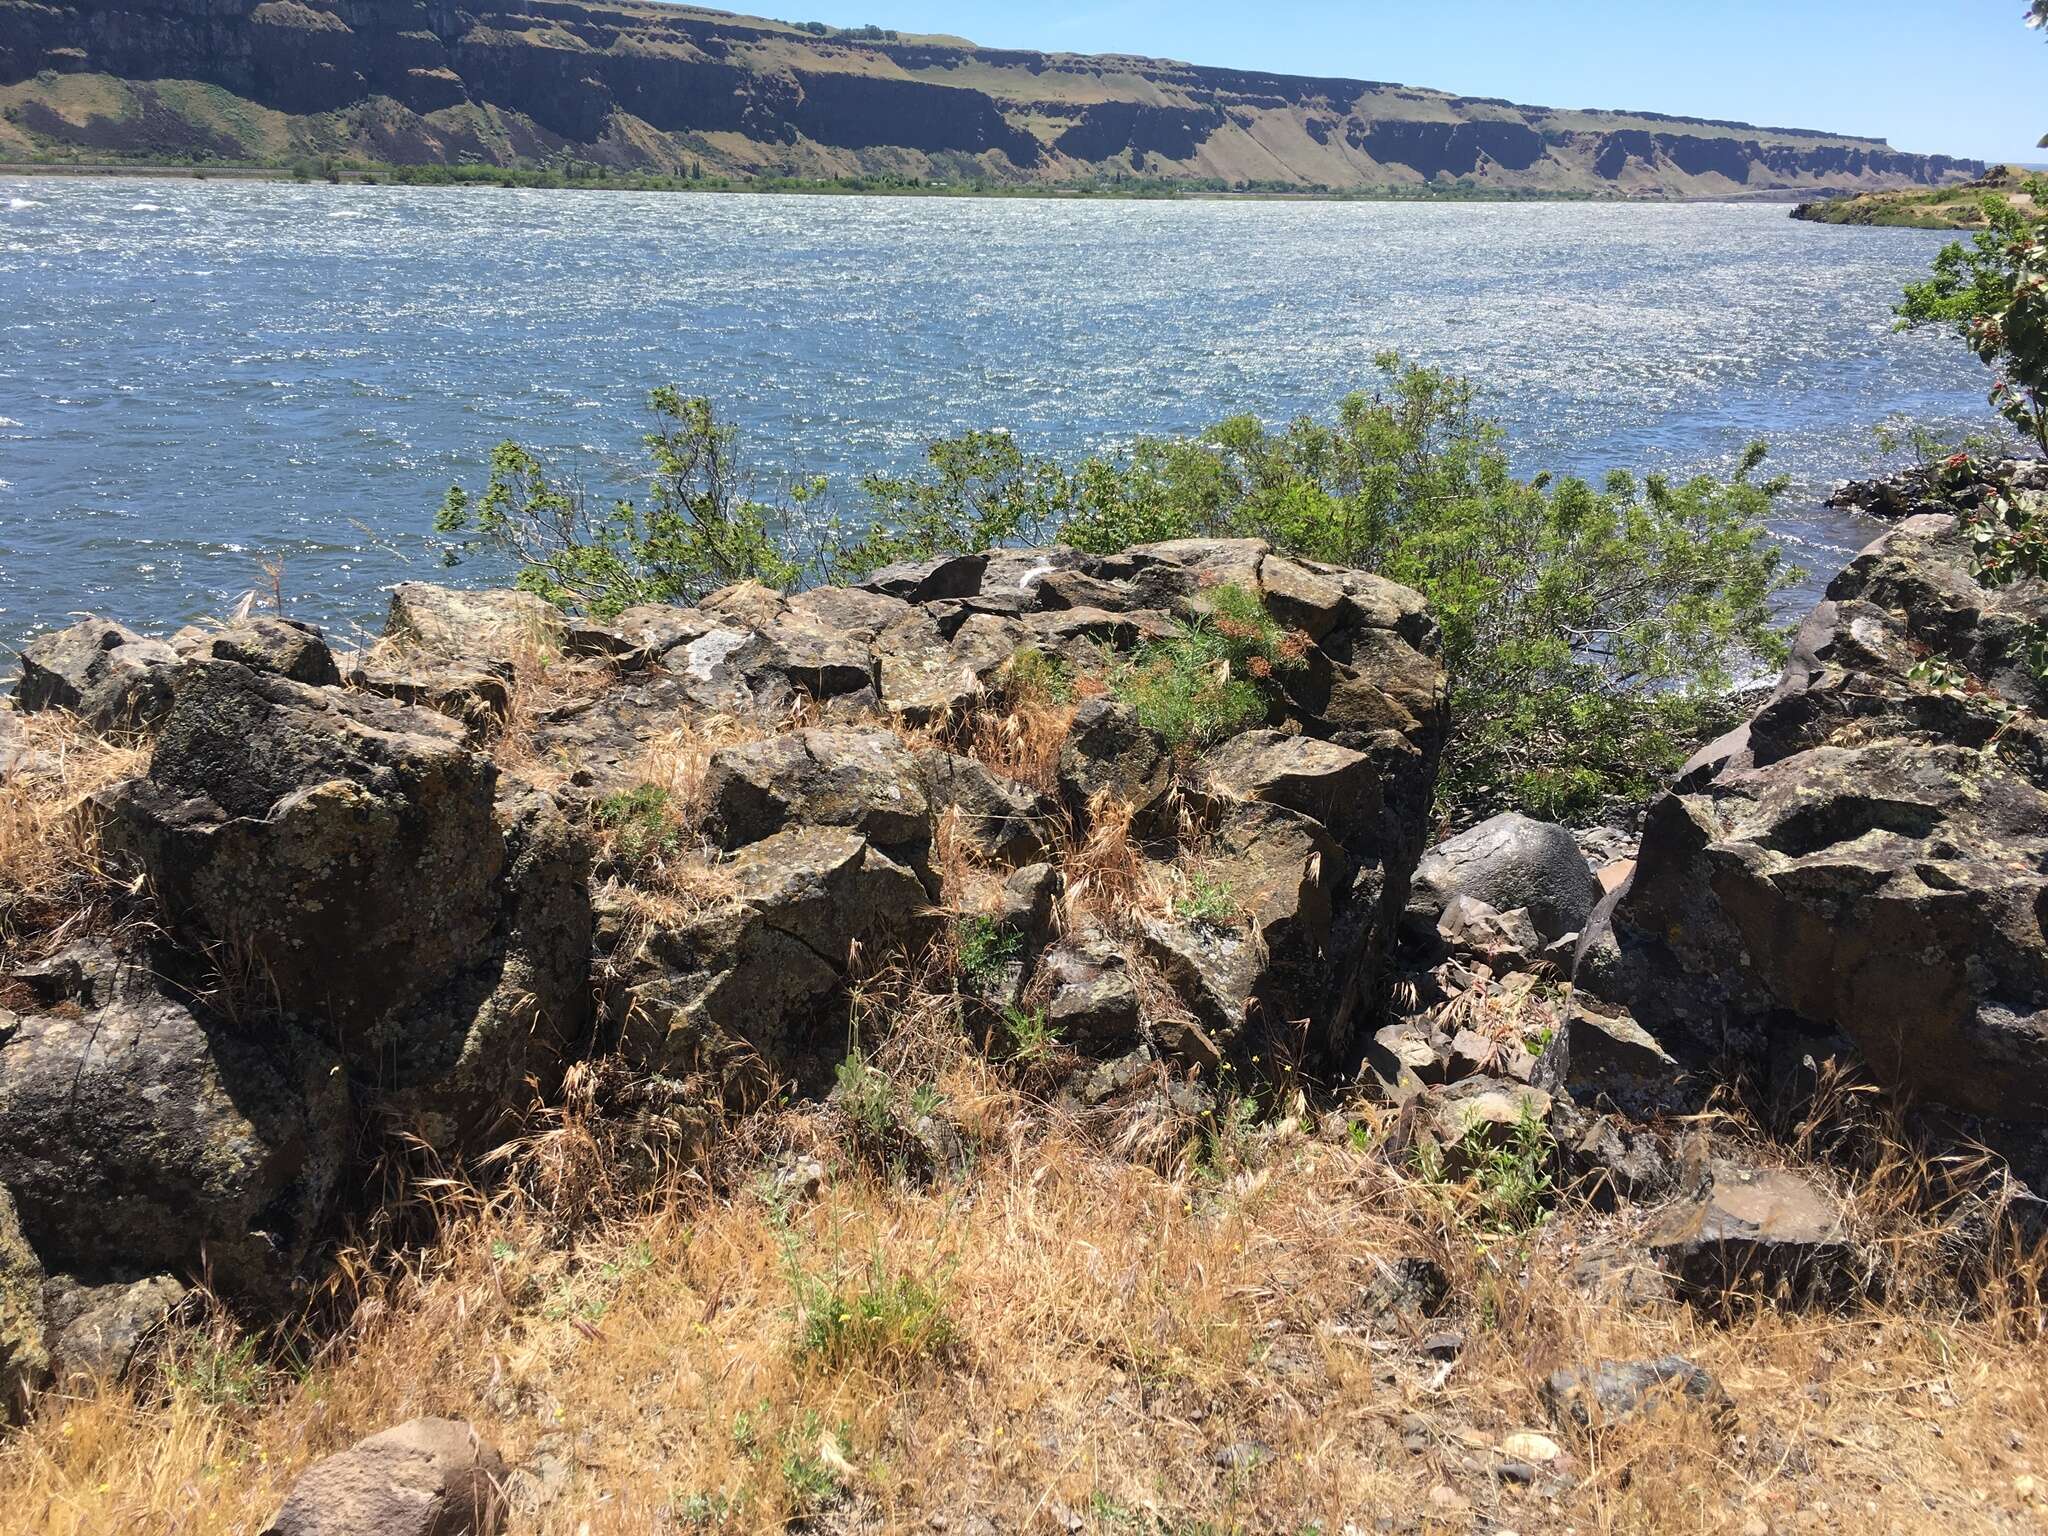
[1871,861]
[1513,861]
[96,1330]
[1284,964]
[139,1132]
[1001,820]
[1109,753]
[499,625]
[349,852]
[866,781]
[430,1477]
[736,994]
[265,644]
[113,679]
[1753,1232]
[1091,997]
[24,1345]
[1335,785]
[1612,1392]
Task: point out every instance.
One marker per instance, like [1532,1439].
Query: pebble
[1515,1472]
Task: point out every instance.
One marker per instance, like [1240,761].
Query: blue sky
[1961,77]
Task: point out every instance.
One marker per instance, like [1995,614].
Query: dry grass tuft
[54,887]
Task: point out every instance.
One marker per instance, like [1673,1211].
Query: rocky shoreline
[341,898]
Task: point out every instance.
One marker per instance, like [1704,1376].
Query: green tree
[1993,293]
[696,531]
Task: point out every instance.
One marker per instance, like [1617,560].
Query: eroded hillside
[673,89]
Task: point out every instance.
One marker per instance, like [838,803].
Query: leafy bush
[980,491]
[1993,293]
[697,531]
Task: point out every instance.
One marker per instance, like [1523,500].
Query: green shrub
[1206,682]
[1031,676]
[1993,293]
[696,532]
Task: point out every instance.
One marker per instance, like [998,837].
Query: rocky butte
[673,88]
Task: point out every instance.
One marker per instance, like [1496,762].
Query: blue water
[198,376]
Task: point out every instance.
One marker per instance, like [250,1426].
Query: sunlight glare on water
[197,375]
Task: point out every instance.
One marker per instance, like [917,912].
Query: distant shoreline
[515,179]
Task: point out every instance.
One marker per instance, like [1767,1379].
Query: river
[200,376]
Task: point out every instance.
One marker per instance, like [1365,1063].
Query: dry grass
[53,886]
[1063,1340]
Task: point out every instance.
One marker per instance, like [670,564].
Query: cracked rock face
[1867,860]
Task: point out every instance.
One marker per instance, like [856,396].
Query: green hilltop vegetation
[1957,207]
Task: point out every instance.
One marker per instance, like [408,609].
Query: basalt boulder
[265,644]
[113,679]
[736,995]
[430,1477]
[139,1130]
[867,781]
[1510,862]
[344,861]
[1868,862]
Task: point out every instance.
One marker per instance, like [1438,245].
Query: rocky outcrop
[670,88]
[110,677]
[1863,863]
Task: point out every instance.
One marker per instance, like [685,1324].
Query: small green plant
[1208,902]
[1034,677]
[1940,675]
[877,1318]
[864,1092]
[1030,1034]
[641,825]
[1513,1177]
[985,947]
[706,1511]
[812,1485]
[746,1429]
[220,1373]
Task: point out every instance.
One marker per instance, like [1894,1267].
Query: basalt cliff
[674,89]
